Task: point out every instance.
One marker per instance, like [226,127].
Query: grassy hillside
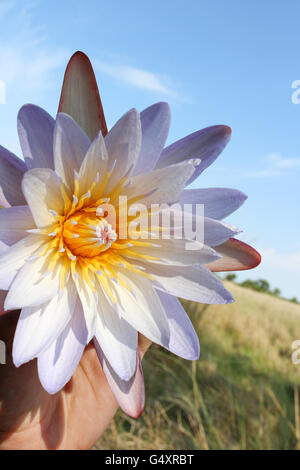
[241,394]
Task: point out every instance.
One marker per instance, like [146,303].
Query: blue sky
[215,62]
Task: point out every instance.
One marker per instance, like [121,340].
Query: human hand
[74,418]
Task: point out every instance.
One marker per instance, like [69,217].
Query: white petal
[183,339]
[195,283]
[123,143]
[36,128]
[176,252]
[88,302]
[41,188]
[12,170]
[205,145]
[161,186]
[31,287]
[14,223]
[179,222]
[117,339]
[217,232]
[57,364]
[94,165]
[14,257]
[155,122]
[218,202]
[142,308]
[3,201]
[70,147]
[3,247]
[39,327]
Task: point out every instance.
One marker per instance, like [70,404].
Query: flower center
[87,235]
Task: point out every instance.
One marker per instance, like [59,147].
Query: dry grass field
[241,394]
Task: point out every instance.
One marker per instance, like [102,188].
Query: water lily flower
[64,264]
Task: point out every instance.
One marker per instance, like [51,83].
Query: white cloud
[262,173]
[281,269]
[278,161]
[138,77]
[26,62]
[276,164]
[289,262]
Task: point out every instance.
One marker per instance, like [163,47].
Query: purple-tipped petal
[129,394]
[80,96]
[36,128]
[183,339]
[11,174]
[58,363]
[70,147]
[236,256]
[218,202]
[155,122]
[206,145]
